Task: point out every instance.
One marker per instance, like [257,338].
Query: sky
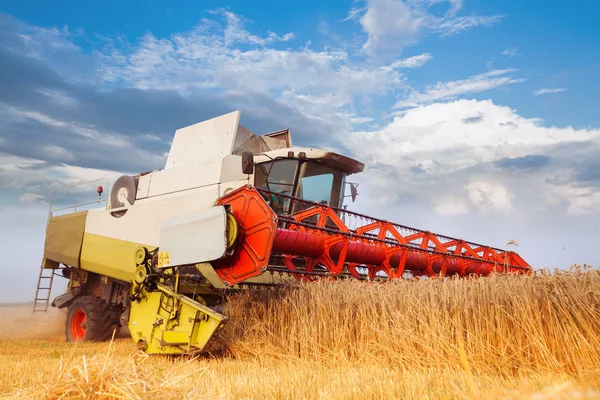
[474,119]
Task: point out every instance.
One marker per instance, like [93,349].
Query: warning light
[99,190]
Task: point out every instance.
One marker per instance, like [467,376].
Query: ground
[37,363]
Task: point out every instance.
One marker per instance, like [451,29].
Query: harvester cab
[306,174]
[229,210]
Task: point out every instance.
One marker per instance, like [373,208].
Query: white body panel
[144,220]
[204,141]
[231,169]
[200,168]
[227,169]
[185,178]
[195,237]
[143,186]
[227,187]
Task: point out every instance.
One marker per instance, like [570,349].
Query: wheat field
[504,337]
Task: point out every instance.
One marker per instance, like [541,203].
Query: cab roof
[334,160]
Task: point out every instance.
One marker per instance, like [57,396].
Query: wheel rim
[78,325]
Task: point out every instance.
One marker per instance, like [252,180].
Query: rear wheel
[90,319]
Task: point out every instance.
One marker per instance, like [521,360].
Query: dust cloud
[19,322]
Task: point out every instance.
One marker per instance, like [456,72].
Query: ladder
[46,276]
[44,287]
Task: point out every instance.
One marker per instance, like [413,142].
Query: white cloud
[411,62]
[392,25]
[472,151]
[548,91]
[354,13]
[511,51]
[324,29]
[582,201]
[112,140]
[18,172]
[455,6]
[59,153]
[39,39]
[40,180]
[450,206]
[318,83]
[31,198]
[235,32]
[487,196]
[58,97]
[456,25]
[453,89]
[34,115]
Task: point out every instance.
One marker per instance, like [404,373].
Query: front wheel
[90,319]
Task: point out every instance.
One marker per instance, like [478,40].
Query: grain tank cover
[205,141]
[218,137]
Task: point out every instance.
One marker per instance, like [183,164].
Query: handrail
[78,205]
[52,210]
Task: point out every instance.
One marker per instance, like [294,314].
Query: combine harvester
[230,209]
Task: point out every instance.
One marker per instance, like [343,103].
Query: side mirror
[353,190]
[247,163]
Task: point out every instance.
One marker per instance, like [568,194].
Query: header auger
[230,210]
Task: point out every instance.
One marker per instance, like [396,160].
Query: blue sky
[553,44]
[475,118]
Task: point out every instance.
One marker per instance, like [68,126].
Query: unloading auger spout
[230,210]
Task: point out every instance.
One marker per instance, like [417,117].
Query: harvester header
[230,210]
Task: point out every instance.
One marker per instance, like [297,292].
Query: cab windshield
[304,179]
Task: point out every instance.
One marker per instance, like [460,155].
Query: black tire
[90,319]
